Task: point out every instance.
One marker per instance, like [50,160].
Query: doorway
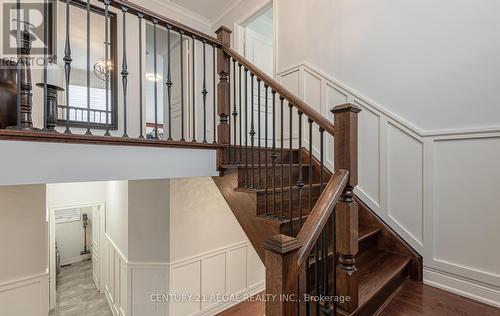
[76,240]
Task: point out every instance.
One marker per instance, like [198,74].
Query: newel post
[346,211]
[281,275]
[223,92]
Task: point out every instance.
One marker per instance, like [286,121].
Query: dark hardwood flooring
[414,298]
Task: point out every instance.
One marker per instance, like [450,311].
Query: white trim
[462,286]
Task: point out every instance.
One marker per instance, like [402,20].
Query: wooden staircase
[315,237]
[384,262]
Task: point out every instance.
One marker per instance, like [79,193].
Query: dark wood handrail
[320,214]
[311,113]
[32,136]
[162,20]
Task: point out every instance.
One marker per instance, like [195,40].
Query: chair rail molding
[414,180]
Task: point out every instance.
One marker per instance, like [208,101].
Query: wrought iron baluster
[204,92]
[155,66]
[282,152]
[45,54]
[106,62]
[300,181]
[334,275]
[169,83]
[124,71]
[241,113]
[265,148]
[321,154]
[193,74]
[259,134]
[316,275]
[19,63]
[214,119]
[290,165]
[274,155]
[88,69]
[181,45]
[311,159]
[252,130]
[235,112]
[247,175]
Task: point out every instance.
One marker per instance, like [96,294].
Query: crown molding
[169,5]
[228,8]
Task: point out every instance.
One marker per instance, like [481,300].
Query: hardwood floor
[256,308]
[414,298]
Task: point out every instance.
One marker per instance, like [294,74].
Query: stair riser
[261,199]
[371,307]
[259,180]
[240,157]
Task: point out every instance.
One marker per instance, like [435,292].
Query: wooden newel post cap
[224,35]
[347,107]
[281,244]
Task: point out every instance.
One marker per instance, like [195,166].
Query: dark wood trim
[320,214]
[311,113]
[13,135]
[164,21]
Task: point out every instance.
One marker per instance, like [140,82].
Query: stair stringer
[243,206]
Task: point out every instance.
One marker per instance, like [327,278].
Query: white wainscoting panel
[467,199]
[405,181]
[27,296]
[439,191]
[116,285]
[235,270]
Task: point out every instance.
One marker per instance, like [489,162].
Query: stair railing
[310,265]
[128,80]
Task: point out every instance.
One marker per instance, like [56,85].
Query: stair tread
[365,232]
[256,165]
[278,189]
[377,270]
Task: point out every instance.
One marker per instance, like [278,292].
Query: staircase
[302,218]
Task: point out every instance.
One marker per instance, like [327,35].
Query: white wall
[60,163]
[210,253]
[426,65]
[23,240]
[440,193]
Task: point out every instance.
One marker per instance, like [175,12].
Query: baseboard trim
[463,287]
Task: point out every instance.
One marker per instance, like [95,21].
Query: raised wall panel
[466,210]
[333,98]
[145,281]
[369,154]
[405,181]
[236,270]
[255,268]
[213,278]
[25,297]
[186,280]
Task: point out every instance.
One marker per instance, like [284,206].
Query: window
[78,88]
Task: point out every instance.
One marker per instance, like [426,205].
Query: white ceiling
[209,9]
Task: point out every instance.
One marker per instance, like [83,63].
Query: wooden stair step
[365,232]
[261,191]
[380,274]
